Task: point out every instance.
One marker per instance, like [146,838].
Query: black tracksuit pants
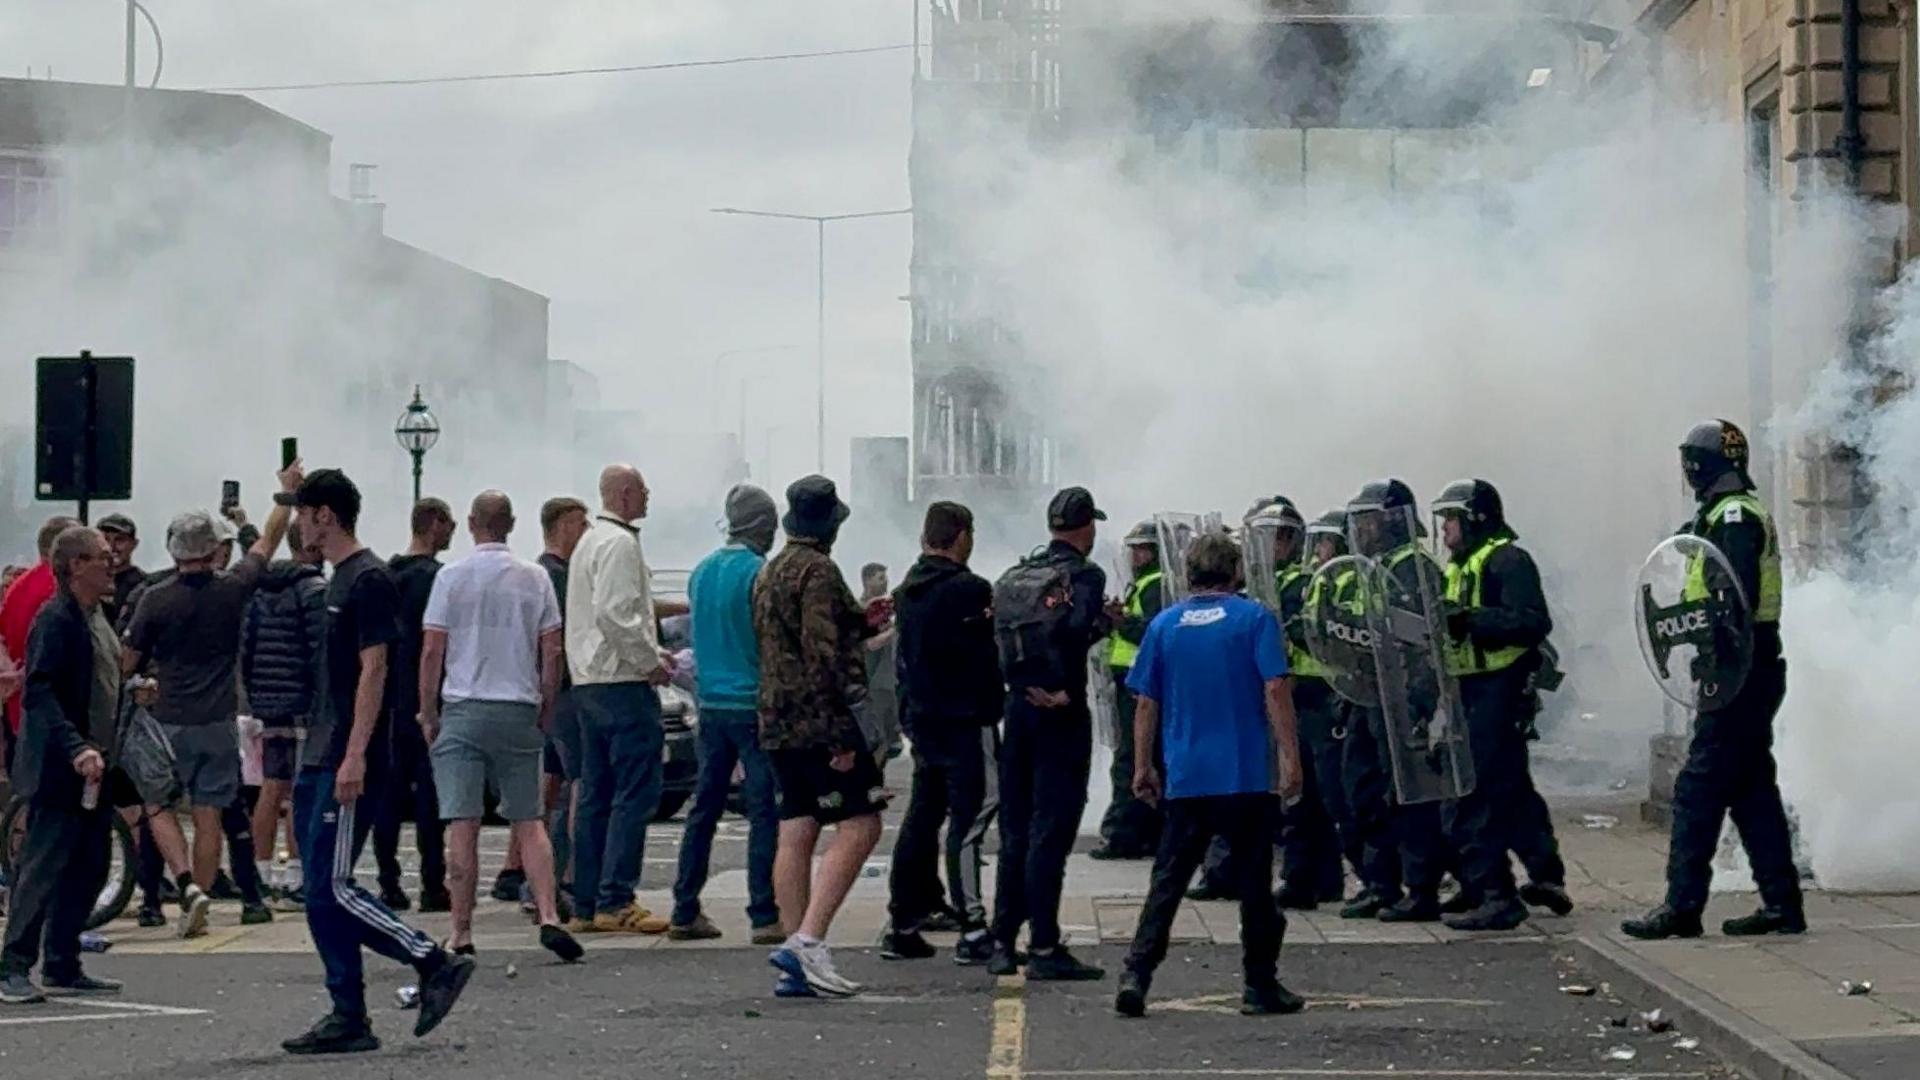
[956,783]
[1246,823]
[62,865]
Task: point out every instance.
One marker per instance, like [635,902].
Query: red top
[25,597]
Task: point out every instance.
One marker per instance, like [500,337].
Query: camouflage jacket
[813,674]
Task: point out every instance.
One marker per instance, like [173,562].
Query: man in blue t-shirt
[1215,699]
[726,657]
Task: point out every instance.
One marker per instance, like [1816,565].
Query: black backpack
[1031,604]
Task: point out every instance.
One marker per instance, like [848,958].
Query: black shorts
[279,750]
[810,787]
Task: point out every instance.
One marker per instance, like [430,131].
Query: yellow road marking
[1006,1058]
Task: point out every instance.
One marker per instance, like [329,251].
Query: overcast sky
[594,190]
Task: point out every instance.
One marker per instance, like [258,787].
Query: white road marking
[115,1010]
[1413,1073]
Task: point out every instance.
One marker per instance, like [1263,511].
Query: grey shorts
[488,743]
[206,758]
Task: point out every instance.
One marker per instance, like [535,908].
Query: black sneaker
[1059,965]
[151,917]
[905,945]
[223,887]
[1492,915]
[80,984]
[1412,909]
[1459,903]
[561,944]
[1271,999]
[1005,959]
[435,901]
[1768,920]
[255,914]
[943,921]
[1549,895]
[1292,899]
[507,886]
[1116,853]
[440,990]
[334,1034]
[395,898]
[974,948]
[19,990]
[1663,922]
[1131,1001]
[1369,904]
[464,950]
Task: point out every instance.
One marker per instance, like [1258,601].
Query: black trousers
[1246,822]
[1730,772]
[956,783]
[1317,833]
[1129,825]
[62,866]
[1367,782]
[1504,812]
[1045,758]
[408,795]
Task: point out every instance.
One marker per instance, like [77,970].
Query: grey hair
[1213,561]
[72,542]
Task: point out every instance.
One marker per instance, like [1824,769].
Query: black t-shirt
[125,580]
[363,610]
[188,627]
[556,568]
[413,579]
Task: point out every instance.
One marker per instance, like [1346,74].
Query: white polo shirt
[493,607]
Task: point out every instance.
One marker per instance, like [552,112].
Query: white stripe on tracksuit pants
[360,903]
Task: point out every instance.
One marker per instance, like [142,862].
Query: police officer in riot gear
[1730,768]
[1497,622]
[1131,828]
[1317,832]
[1379,518]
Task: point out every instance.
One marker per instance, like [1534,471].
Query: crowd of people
[382,692]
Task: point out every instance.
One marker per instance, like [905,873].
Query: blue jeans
[729,736]
[620,745]
[342,917]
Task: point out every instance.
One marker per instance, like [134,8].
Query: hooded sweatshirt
[949,665]
[720,593]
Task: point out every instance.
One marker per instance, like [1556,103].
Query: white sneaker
[817,963]
[194,909]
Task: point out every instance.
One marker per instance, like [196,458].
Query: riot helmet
[1330,527]
[1143,546]
[1283,521]
[1711,452]
[1476,505]
[1383,517]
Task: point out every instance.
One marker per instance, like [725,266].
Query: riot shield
[1425,726]
[1694,623]
[1176,533]
[1259,560]
[1337,633]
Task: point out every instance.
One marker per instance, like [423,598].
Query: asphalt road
[1490,1011]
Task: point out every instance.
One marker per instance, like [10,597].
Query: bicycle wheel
[122,874]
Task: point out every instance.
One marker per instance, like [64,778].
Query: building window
[29,200]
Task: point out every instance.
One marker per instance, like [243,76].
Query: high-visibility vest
[1463,590]
[1121,652]
[1299,660]
[1766,607]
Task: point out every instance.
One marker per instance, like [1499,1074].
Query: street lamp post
[820,326]
[417,431]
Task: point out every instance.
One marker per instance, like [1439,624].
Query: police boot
[1549,895]
[1369,904]
[1664,922]
[1412,909]
[1492,915]
[1768,920]
[1462,901]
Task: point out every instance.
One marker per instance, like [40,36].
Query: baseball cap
[1072,508]
[119,523]
[192,536]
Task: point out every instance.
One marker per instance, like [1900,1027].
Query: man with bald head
[489,677]
[613,654]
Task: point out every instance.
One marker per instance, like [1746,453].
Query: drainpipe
[1853,144]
